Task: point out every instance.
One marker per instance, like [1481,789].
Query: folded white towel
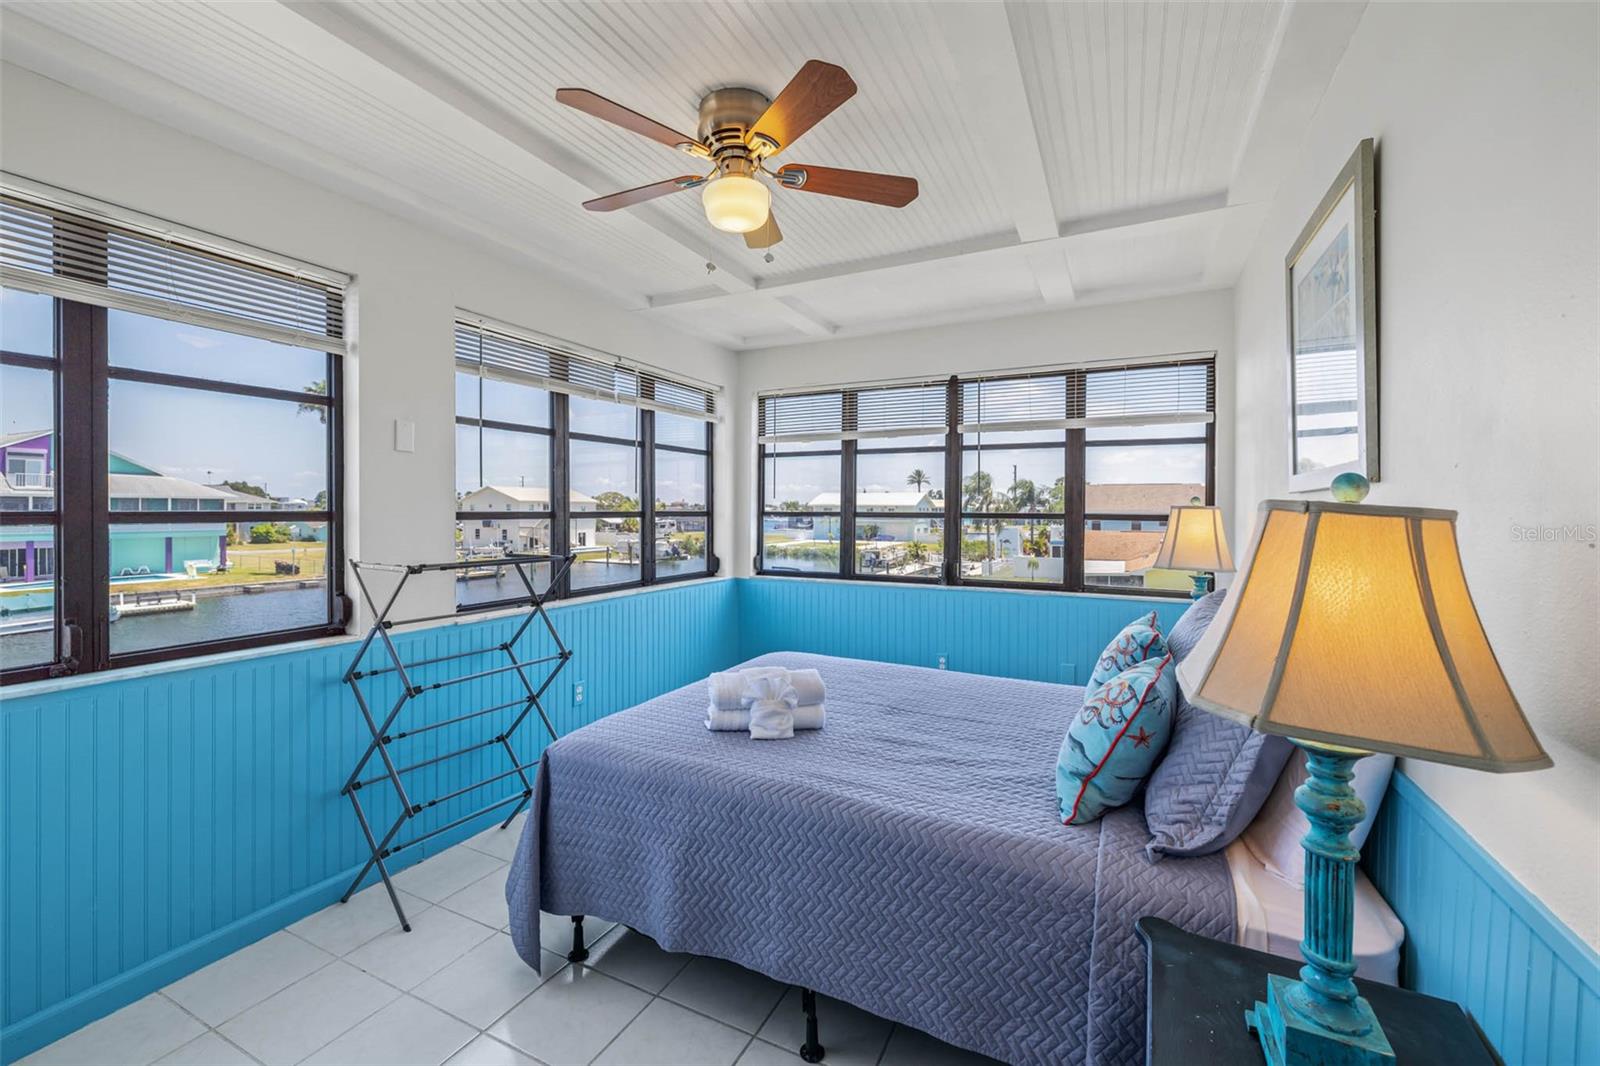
[729,689]
[772,707]
[806,716]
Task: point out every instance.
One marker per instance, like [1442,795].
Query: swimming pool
[25,596]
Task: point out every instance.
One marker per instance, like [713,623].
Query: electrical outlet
[944,661]
[577,692]
[1069,673]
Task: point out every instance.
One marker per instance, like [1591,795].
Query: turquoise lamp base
[1292,1035]
[1319,1020]
[1202,584]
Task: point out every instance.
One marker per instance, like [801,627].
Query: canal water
[213,618]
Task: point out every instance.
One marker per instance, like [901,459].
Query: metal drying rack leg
[383,735]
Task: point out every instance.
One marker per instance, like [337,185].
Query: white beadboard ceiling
[1066,152]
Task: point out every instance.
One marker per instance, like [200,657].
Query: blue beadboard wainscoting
[1035,636]
[1475,935]
[155,821]
[153,824]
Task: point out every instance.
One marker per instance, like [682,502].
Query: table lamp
[1195,541]
[1350,630]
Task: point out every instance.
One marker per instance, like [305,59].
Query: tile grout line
[887,1037]
[618,1034]
[208,1026]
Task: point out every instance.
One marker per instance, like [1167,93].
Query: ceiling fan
[739,130]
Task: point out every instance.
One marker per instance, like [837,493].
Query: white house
[519,535]
[871,504]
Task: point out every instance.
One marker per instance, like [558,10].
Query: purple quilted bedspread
[907,859]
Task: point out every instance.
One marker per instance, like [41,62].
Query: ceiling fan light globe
[736,204]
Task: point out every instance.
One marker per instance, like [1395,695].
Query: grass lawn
[249,564]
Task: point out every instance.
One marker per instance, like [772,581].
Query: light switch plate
[405,435]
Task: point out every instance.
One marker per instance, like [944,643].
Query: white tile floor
[346,986]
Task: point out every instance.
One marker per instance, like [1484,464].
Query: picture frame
[1331,285]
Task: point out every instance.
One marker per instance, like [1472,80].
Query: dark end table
[1198,990]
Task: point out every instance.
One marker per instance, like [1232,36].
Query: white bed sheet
[1271,917]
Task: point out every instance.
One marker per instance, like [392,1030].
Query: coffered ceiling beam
[327,37]
[54,55]
[984,53]
[995,248]
[442,101]
[985,57]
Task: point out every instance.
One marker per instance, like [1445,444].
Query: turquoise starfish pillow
[1139,640]
[1115,740]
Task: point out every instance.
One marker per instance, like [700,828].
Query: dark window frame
[82,516]
[561,514]
[1073,516]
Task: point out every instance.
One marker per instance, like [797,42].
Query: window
[802,451]
[682,490]
[1057,479]
[211,380]
[576,453]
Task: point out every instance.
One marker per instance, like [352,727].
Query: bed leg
[810,1051]
[578,952]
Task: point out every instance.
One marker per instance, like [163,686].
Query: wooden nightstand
[1198,990]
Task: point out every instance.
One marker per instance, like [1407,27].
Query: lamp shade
[1195,541]
[1352,625]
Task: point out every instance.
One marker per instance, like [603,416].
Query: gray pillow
[1216,773]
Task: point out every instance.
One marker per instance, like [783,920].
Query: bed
[907,859]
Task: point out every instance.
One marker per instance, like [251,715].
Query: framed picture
[1332,278]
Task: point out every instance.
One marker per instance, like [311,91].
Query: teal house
[28,552]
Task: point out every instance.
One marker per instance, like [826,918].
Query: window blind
[527,358]
[901,410]
[100,255]
[1035,402]
[1146,394]
[800,417]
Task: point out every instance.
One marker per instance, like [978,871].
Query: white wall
[1169,325]
[409,280]
[1485,117]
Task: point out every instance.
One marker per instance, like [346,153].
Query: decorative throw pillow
[1188,630]
[1139,640]
[1217,773]
[1114,740]
[1274,837]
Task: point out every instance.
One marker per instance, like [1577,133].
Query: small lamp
[1350,630]
[1195,541]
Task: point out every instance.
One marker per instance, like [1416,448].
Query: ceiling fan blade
[887,189]
[766,236]
[629,197]
[598,106]
[811,95]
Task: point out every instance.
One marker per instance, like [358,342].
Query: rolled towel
[728,689]
[808,688]
[772,708]
[806,716]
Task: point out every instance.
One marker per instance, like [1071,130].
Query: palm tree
[917,479]
[977,494]
[316,388]
[1025,496]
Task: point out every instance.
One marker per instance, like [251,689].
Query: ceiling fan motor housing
[726,116]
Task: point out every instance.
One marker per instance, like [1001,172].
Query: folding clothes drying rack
[385,737]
